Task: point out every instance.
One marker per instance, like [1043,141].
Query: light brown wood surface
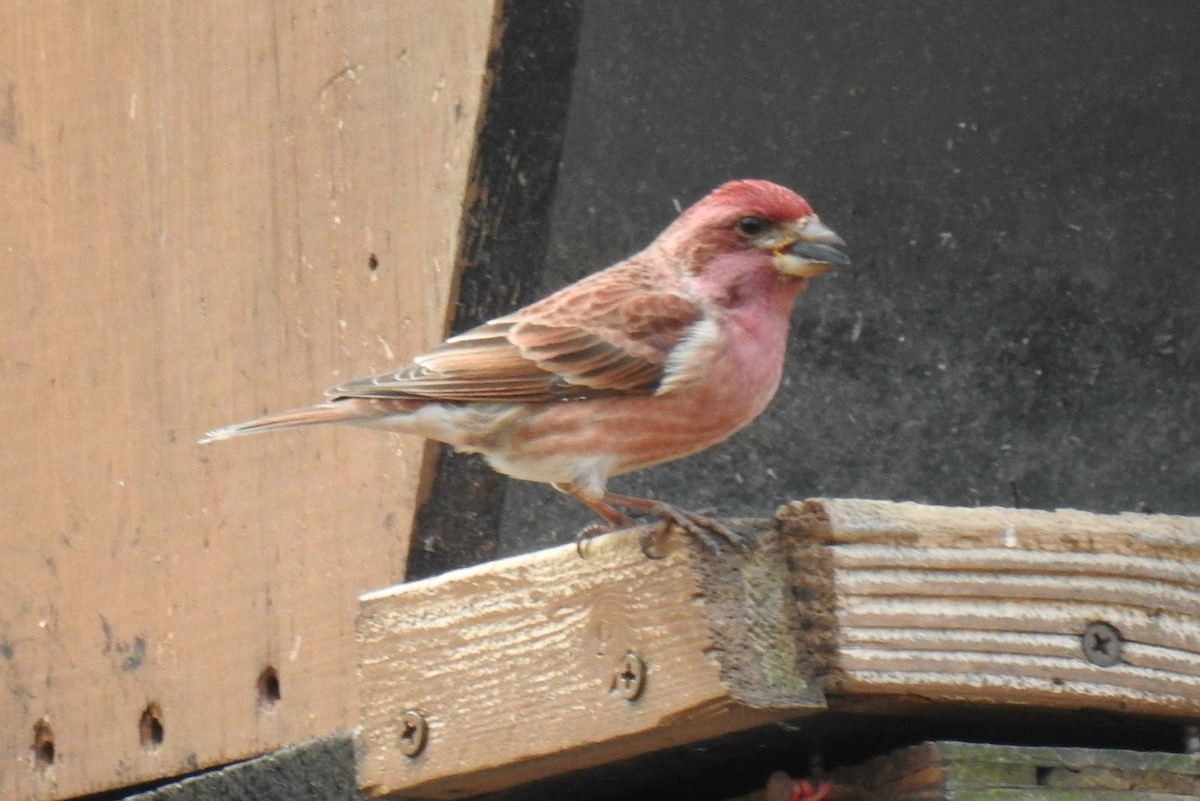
[882,606]
[954,771]
[979,772]
[515,664]
[989,605]
[209,211]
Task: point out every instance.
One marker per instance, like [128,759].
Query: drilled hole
[1042,775]
[269,692]
[372,263]
[150,727]
[43,744]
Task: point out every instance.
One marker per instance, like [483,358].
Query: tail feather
[339,411]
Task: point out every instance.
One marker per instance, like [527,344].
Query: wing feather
[616,338]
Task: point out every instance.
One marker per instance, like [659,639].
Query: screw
[1102,644]
[630,677]
[414,732]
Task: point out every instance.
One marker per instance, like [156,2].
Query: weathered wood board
[210,210]
[951,771]
[992,605]
[538,665]
[511,671]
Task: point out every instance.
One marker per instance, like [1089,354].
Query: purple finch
[657,357]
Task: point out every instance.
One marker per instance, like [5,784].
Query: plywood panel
[210,210]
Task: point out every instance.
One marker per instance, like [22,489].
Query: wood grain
[211,210]
[514,663]
[952,771]
[989,605]
[883,606]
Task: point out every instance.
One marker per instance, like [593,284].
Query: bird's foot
[587,532]
[653,540]
[713,534]
[710,532]
[650,538]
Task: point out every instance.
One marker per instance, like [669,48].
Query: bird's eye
[749,226]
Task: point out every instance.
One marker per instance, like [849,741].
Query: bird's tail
[344,410]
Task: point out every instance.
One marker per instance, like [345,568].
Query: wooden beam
[547,663]
[994,605]
[515,666]
[952,771]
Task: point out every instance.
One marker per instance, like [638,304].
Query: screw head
[1102,644]
[414,733]
[630,677]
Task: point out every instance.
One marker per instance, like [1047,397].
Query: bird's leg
[615,519]
[709,531]
[698,525]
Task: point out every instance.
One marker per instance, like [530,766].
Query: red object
[805,791]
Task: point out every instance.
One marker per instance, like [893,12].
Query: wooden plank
[953,771]
[210,210]
[511,664]
[990,605]
[515,665]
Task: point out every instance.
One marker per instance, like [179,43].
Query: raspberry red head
[748,216]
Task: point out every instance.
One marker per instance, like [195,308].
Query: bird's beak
[811,250]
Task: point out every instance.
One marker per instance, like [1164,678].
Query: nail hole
[43,744]
[372,263]
[150,727]
[268,688]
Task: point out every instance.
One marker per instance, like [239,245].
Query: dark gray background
[1018,186]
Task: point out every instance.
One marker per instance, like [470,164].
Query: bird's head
[755,218]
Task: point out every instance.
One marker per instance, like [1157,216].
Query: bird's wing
[569,346]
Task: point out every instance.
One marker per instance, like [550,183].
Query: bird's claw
[586,533]
[652,539]
[710,532]
[714,536]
